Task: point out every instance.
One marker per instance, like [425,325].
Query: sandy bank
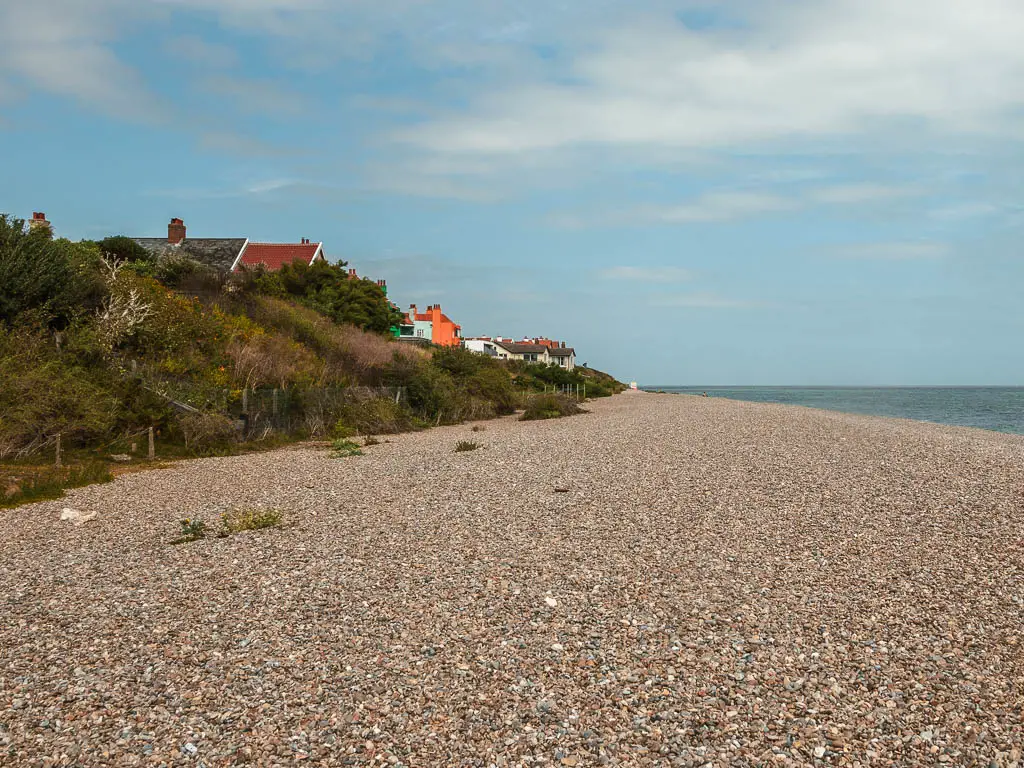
[723,582]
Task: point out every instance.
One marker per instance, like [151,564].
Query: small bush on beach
[479,427]
[550,407]
[466,445]
[191,530]
[237,520]
[371,440]
[342,448]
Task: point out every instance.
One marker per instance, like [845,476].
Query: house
[481,345]
[433,326]
[528,353]
[230,254]
[563,356]
[273,256]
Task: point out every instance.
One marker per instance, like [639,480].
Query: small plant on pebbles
[237,520]
[191,530]
[479,427]
[371,440]
[343,448]
[466,445]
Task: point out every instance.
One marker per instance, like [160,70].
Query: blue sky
[733,192]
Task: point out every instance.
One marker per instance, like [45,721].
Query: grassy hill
[99,342]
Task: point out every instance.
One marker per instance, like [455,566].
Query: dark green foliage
[550,407]
[53,280]
[466,445]
[342,448]
[328,289]
[536,377]
[121,248]
[191,530]
[46,391]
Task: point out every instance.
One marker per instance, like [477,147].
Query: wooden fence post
[245,401]
[57,463]
[152,445]
[273,406]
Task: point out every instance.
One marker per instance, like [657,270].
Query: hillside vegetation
[99,342]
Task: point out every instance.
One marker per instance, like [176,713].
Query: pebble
[737,584]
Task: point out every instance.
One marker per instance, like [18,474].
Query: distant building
[540,350]
[38,221]
[230,254]
[564,357]
[432,325]
[483,346]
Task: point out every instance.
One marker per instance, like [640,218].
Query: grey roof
[217,252]
[522,349]
[562,352]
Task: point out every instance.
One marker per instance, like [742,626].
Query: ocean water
[996,408]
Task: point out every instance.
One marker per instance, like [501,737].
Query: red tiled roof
[273,256]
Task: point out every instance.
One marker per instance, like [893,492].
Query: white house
[482,346]
[564,357]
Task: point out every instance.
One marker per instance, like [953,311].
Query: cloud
[198,51]
[62,48]
[722,206]
[790,73]
[966,210]
[906,251]
[705,301]
[848,194]
[647,274]
[256,96]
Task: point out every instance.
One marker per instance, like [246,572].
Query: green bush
[206,432]
[191,530]
[550,407]
[375,416]
[494,384]
[466,445]
[54,280]
[343,448]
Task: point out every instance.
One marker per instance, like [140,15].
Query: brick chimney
[175,231]
[38,220]
[412,311]
[352,274]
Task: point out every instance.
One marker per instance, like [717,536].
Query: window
[419,333]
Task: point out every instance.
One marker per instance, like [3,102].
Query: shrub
[550,407]
[375,416]
[237,520]
[205,432]
[344,448]
[479,427]
[466,445]
[494,385]
[121,248]
[191,530]
[370,441]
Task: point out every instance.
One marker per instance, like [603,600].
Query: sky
[806,192]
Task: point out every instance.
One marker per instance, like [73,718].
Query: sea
[1000,409]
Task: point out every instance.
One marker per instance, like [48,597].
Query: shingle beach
[666,580]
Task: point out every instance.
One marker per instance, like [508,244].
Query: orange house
[443,330]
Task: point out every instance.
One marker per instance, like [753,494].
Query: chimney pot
[175,231]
